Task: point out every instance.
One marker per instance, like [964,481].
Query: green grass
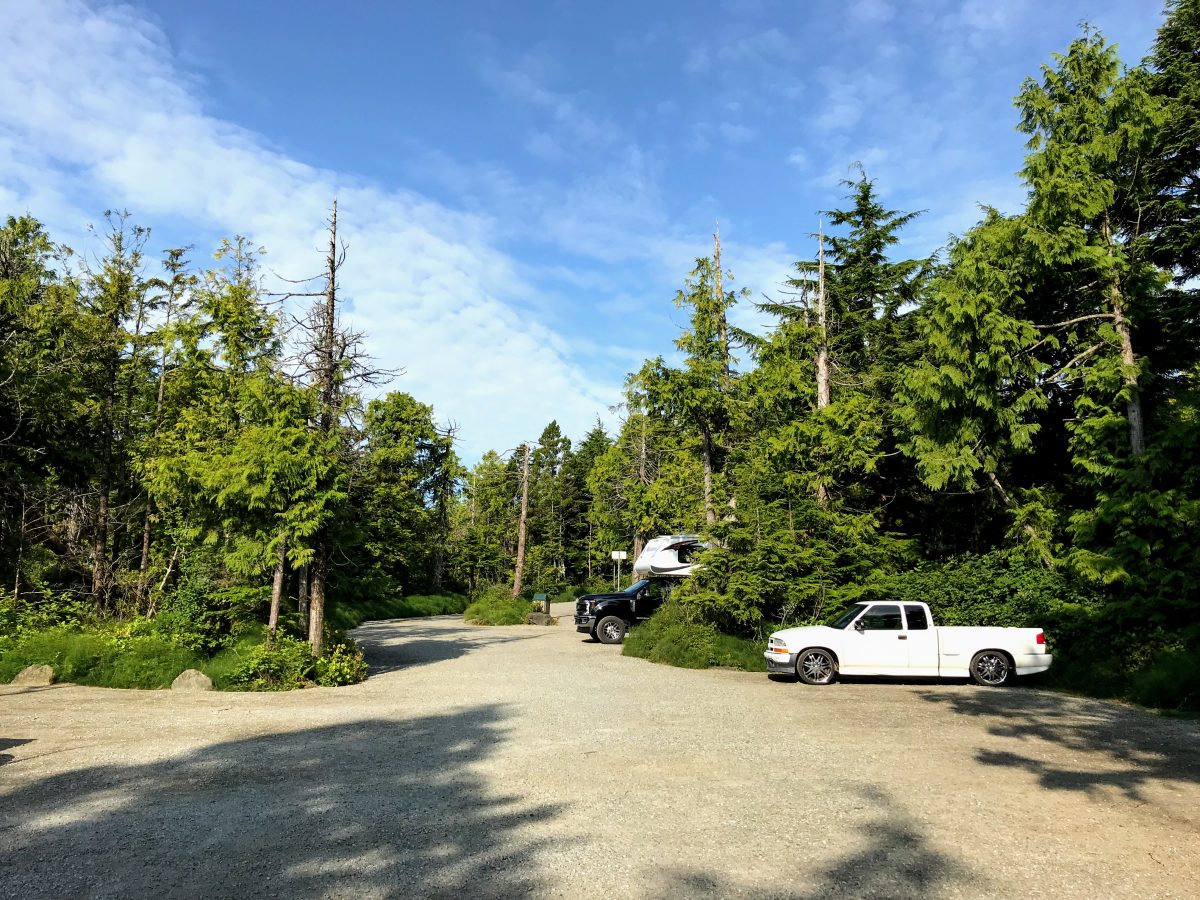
[100,657]
[346,617]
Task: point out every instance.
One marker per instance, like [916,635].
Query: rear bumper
[1032,663]
[780,663]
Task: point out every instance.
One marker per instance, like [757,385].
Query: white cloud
[93,109]
[736,133]
[872,12]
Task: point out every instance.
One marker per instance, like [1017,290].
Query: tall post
[520,572]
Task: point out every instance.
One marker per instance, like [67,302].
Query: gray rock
[537,618]
[192,680]
[32,676]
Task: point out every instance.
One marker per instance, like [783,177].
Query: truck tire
[990,668]
[611,630]
[816,666]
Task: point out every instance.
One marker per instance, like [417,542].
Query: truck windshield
[847,617]
[636,586]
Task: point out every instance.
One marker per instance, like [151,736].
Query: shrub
[343,664]
[1171,681]
[283,665]
[495,606]
[30,614]
[104,657]
[675,636]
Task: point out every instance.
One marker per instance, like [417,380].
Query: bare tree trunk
[277,589]
[639,542]
[100,545]
[302,595]
[722,322]
[1133,406]
[316,606]
[328,421]
[520,571]
[706,453]
[822,361]
[144,565]
[20,547]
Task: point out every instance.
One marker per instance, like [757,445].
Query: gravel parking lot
[524,761]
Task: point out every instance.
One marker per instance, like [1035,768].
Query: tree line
[186,443]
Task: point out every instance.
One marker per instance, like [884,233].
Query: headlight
[776,645]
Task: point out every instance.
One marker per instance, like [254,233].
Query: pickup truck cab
[901,639]
[608,617]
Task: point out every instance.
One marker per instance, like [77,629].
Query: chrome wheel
[990,668]
[611,630]
[816,667]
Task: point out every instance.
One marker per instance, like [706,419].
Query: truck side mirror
[860,626]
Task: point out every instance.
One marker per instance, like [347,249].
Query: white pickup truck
[901,639]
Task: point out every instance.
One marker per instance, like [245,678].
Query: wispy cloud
[92,107]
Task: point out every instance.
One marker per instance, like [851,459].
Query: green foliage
[104,657]
[495,606]
[342,664]
[344,616]
[1171,681]
[677,636]
[284,665]
[1001,588]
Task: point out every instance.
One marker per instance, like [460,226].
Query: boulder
[537,618]
[192,680]
[35,676]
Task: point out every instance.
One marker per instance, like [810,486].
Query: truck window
[882,618]
[917,620]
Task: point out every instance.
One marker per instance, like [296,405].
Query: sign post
[617,556]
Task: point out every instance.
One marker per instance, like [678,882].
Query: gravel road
[523,761]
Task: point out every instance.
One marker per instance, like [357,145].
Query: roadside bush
[283,666]
[343,664]
[232,658]
[495,606]
[733,652]
[673,636]
[1171,681]
[204,622]
[108,657]
[40,612]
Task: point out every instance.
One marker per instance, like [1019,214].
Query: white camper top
[668,555]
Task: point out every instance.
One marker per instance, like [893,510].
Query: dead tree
[333,362]
[822,355]
[520,570]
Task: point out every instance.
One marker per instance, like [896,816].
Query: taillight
[1041,637]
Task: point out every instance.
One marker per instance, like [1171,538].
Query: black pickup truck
[607,617]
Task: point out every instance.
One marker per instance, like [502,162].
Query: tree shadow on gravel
[8,744]
[1131,747]
[891,859]
[364,809]
[390,646]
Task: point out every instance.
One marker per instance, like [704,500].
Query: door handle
[902,637]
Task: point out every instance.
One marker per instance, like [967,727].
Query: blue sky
[523,186]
